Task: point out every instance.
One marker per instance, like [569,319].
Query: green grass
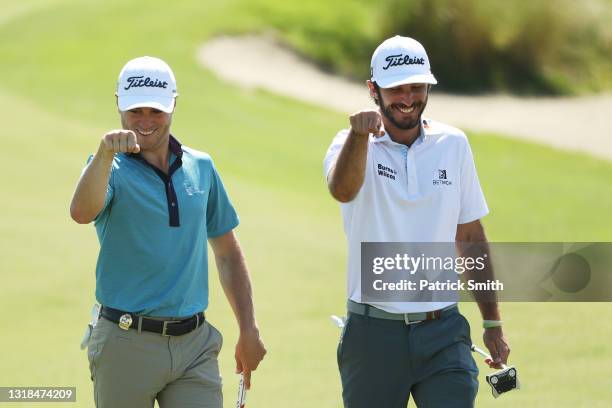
[60,63]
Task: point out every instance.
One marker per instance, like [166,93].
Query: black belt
[127,320]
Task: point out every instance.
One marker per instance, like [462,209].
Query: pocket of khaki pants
[218,336]
[99,337]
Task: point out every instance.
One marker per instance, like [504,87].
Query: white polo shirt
[416,194]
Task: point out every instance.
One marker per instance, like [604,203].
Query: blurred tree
[537,46]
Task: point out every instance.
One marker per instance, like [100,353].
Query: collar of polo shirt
[427,130]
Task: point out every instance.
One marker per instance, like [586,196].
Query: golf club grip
[480,351]
[484,354]
[241,401]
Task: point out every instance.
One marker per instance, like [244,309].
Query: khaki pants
[131,369]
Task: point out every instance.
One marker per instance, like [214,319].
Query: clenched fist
[365,122]
[121,140]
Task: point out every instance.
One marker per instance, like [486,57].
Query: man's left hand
[250,350]
[497,345]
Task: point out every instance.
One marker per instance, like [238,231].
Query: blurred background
[59,61]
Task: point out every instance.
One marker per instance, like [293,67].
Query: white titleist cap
[401,60]
[146,82]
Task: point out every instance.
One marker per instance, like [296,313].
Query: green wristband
[489,324]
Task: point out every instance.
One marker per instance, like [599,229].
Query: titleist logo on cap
[139,82]
[401,59]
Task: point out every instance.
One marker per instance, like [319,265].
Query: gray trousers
[382,362]
[131,369]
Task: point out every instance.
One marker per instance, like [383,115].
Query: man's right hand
[365,122]
[90,194]
[119,141]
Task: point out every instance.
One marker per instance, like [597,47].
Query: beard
[387,111]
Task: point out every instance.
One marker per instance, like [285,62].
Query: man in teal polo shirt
[155,204]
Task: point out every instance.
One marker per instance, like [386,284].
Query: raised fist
[121,140]
[365,122]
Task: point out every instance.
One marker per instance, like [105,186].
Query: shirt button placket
[404,150]
[413,181]
[169,187]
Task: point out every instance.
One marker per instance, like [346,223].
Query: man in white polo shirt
[402,178]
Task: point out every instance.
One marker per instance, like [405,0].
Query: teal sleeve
[220,214]
[110,191]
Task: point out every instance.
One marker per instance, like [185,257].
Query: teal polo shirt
[153,232]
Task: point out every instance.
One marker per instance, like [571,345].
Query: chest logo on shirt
[442,179]
[385,171]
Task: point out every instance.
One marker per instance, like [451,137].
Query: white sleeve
[334,150]
[473,204]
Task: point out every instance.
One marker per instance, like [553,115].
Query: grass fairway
[59,65]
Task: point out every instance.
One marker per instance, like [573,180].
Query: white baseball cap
[401,60]
[146,82]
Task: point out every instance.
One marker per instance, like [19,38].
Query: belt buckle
[408,322]
[125,321]
[165,326]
